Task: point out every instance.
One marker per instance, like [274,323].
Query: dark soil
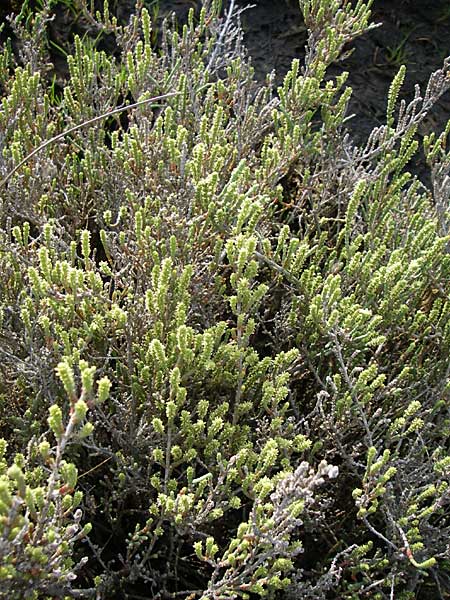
[413,32]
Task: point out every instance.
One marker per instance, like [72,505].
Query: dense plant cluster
[224,326]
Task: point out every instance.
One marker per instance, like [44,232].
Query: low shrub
[224,325]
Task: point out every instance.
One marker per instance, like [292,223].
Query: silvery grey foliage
[224,325]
